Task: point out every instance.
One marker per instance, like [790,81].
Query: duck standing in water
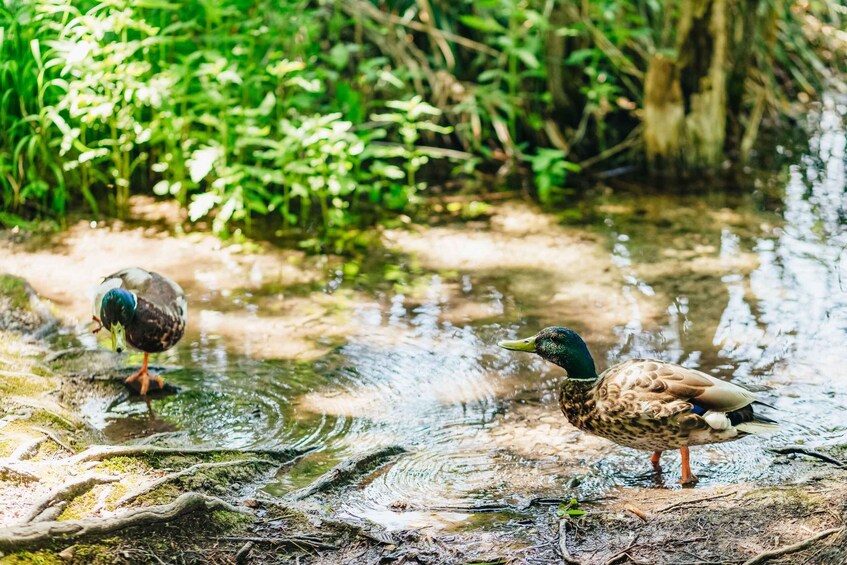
[644,403]
[142,309]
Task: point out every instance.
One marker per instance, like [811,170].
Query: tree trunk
[685,99]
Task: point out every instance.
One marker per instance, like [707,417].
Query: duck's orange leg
[145,377]
[654,460]
[687,476]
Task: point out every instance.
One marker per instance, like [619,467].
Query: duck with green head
[144,310]
[645,403]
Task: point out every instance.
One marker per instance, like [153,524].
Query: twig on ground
[810,453]
[637,511]
[624,552]
[101,452]
[243,554]
[793,548]
[695,501]
[66,492]
[563,544]
[130,497]
[39,533]
[346,471]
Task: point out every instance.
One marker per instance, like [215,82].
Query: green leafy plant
[570,510]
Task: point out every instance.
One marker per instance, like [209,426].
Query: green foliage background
[322,114]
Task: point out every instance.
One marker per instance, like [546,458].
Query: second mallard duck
[644,403]
[144,309]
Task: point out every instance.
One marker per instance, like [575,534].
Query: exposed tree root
[346,471]
[563,544]
[101,452]
[39,533]
[695,501]
[54,438]
[10,473]
[129,498]
[793,548]
[300,542]
[64,352]
[66,492]
[27,450]
[810,453]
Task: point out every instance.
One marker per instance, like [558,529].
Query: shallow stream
[748,283]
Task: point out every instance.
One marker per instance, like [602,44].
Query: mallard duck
[645,403]
[145,310]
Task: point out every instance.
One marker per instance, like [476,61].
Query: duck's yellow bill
[118,337]
[527,344]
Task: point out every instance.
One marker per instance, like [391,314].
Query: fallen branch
[131,497]
[810,453]
[66,492]
[101,452]
[39,533]
[346,471]
[793,548]
[695,501]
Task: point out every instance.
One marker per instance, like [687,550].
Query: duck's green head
[560,346]
[117,310]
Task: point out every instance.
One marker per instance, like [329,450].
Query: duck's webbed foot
[144,377]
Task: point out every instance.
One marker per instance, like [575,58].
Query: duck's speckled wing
[647,388]
[161,292]
[161,312]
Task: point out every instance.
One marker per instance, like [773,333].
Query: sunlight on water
[716,281]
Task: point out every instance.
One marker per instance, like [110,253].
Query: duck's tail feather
[759,425]
[746,420]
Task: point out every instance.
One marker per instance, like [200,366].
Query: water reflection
[402,349]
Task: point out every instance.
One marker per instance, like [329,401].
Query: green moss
[102,553]
[7,447]
[165,494]
[52,420]
[124,465]
[31,558]
[224,520]
[117,492]
[24,385]
[15,289]
[80,507]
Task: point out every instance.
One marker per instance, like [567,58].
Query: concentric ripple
[717,282]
